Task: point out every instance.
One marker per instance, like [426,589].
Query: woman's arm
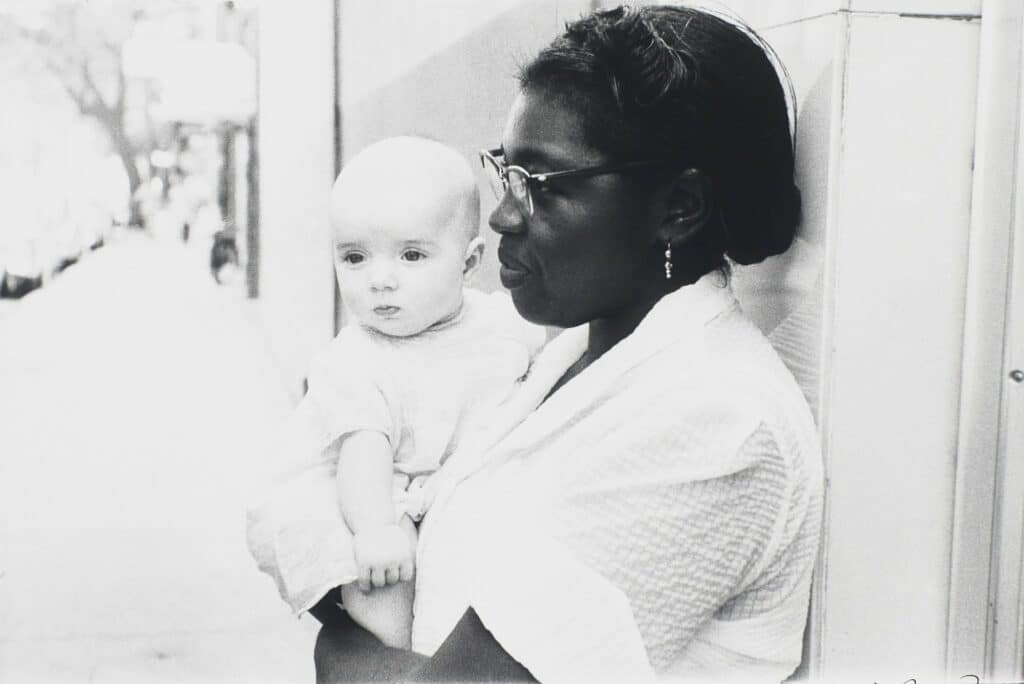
[347,653]
[471,654]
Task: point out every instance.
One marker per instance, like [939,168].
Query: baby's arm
[383,552]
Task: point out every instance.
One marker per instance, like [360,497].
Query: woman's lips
[512,272]
[512,276]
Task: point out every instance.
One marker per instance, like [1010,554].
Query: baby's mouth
[386,310]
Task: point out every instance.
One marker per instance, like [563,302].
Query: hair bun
[753,236]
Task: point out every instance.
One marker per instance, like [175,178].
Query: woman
[656,512]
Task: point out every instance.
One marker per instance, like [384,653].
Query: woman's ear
[473,258]
[688,207]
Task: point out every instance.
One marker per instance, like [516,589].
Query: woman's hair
[688,87]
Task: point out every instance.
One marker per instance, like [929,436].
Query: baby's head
[405,213]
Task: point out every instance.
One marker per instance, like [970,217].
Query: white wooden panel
[763,15]
[903,206]
[413,31]
[922,7]
[1007,632]
[759,14]
[1007,637]
[985,322]
[296,171]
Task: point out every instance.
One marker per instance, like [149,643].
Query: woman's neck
[605,333]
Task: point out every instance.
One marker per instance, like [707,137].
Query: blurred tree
[82,45]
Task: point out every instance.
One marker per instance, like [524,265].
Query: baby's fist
[384,556]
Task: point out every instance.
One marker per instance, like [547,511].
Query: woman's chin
[536,309]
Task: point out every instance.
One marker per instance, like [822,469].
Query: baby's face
[399,268]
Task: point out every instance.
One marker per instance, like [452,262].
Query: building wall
[986,620]
[296,149]
[903,196]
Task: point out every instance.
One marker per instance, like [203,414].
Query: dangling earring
[668,260]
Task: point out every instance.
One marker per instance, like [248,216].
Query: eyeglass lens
[509,178]
[520,189]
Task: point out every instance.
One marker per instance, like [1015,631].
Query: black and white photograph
[511,340]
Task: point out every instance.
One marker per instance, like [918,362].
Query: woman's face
[589,250]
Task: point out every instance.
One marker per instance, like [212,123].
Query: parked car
[21,268]
[75,236]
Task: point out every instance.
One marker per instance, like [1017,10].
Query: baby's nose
[383,278]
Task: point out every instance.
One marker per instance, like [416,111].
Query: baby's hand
[384,556]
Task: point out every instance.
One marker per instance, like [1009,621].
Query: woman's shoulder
[747,372]
[737,351]
[728,385]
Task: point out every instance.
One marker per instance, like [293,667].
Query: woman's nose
[507,217]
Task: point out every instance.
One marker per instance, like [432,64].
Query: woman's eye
[544,188]
[413,255]
[353,258]
[544,194]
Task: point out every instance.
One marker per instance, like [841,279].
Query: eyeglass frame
[538,179]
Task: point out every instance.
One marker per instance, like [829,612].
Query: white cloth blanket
[657,515]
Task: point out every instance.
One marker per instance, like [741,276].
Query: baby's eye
[353,258]
[413,255]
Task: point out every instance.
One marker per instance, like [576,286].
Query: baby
[422,363]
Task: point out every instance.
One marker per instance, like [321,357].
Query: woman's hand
[345,652]
[384,556]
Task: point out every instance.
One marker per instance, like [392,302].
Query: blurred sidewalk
[135,398]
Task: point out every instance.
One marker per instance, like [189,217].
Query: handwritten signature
[970,679]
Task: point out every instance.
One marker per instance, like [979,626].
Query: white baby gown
[426,393]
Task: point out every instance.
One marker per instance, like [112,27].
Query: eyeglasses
[502,177]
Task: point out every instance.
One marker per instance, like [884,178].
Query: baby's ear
[474,257]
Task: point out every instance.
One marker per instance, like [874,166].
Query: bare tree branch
[113,49]
[122,89]
[83,50]
[59,75]
[91,86]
